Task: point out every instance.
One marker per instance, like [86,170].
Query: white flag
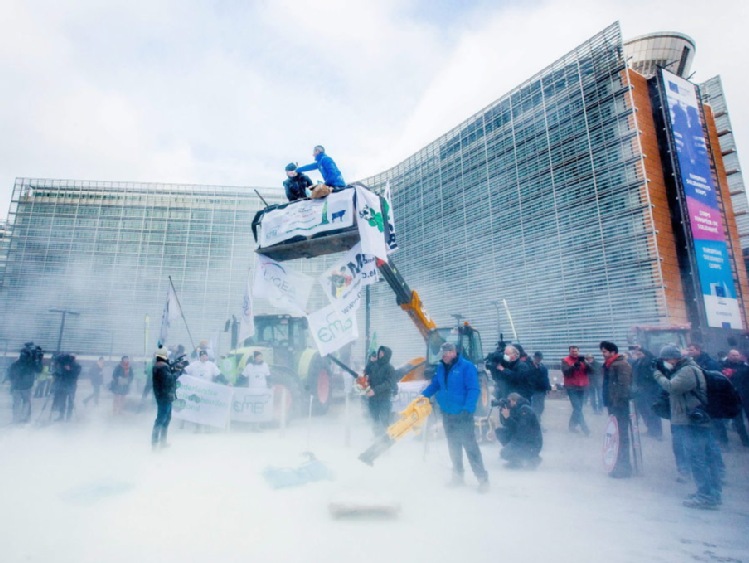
[387,212]
[371,223]
[170,313]
[281,286]
[247,320]
[331,329]
[344,282]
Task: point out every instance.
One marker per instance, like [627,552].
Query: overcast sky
[228,92]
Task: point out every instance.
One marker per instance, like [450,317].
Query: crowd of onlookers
[55,378]
[630,385]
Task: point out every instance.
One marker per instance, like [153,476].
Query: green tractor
[298,372]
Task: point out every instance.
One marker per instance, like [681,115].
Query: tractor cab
[467,341]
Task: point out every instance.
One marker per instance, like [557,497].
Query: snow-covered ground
[92,491]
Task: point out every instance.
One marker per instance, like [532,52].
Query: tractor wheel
[286,389]
[320,385]
[485,398]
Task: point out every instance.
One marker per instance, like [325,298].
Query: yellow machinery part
[411,418]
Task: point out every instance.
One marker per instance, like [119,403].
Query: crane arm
[407,299]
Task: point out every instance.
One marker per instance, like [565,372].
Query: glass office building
[105,252]
[713,94]
[547,216]
[542,201]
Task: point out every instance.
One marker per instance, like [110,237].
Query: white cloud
[187,92]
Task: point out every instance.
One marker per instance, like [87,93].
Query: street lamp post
[499,326]
[65,313]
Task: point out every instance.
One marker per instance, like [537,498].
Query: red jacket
[575,376]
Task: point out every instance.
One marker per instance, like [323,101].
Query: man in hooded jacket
[382,382]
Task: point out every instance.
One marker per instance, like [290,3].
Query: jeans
[64,402]
[679,444]
[538,404]
[94,395]
[380,412]
[21,405]
[163,417]
[704,464]
[595,392]
[577,395]
[623,464]
[460,433]
[653,422]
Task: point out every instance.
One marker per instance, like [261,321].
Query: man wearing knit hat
[296,183]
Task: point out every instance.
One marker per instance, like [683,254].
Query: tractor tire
[319,384]
[485,398]
[286,385]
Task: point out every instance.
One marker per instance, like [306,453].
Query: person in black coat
[645,389]
[520,433]
[296,183]
[164,390]
[22,374]
[540,384]
[382,383]
[66,374]
[515,372]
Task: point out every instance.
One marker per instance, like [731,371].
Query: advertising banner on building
[202,402]
[306,218]
[704,213]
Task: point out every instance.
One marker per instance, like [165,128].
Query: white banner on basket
[252,405]
[331,329]
[387,212]
[371,223]
[306,218]
[281,286]
[202,402]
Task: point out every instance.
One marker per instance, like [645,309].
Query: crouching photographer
[520,433]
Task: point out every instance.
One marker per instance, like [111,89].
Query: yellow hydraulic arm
[407,299]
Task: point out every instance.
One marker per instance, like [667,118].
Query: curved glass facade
[540,200]
[106,250]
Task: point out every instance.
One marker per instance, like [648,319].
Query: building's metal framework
[538,199]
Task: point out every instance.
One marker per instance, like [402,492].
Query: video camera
[177,367]
[33,355]
[501,403]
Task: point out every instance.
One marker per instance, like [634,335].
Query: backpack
[723,401]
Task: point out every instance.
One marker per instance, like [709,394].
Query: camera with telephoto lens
[501,403]
[177,367]
[33,355]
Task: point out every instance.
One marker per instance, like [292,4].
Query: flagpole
[182,314]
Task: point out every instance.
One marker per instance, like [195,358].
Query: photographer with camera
[520,433]
[22,374]
[515,372]
[164,378]
[576,381]
[685,383]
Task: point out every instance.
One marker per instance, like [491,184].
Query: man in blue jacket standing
[456,385]
[327,167]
